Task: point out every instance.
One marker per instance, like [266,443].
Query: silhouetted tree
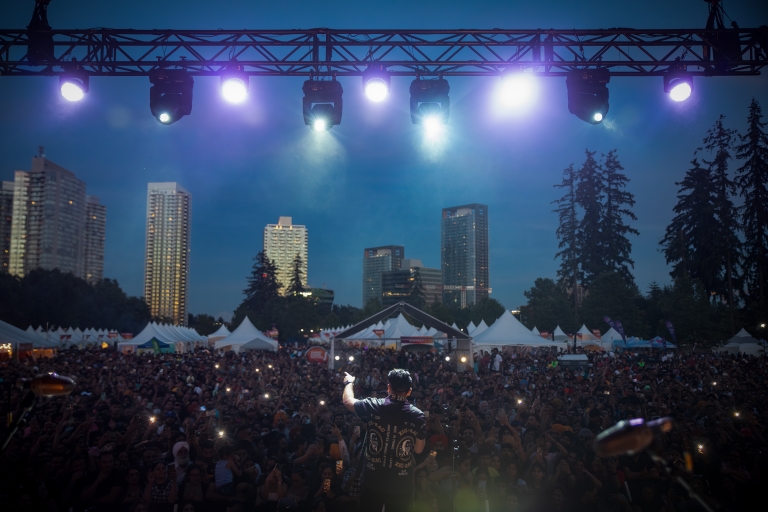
[295,285]
[589,196]
[548,306]
[417,298]
[615,247]
[568,234]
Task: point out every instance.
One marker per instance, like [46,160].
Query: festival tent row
[245,338]
[69,337]
[163,338]
[744,343]
[14,340]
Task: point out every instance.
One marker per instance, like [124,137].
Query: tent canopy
[742,337]
[586,334]
[508,331]
[247,337]
[559,335]
[13,335]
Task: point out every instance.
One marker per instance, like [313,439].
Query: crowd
[268,431]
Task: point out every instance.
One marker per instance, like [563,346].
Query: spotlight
[433,124]
[678,84]
[517,89]
[234,85]
[588,94]
[73,86]
[430,104]
[322,104]
[376,83]
[170,97]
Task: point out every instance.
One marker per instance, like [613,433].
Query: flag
[671,330]
[620,328]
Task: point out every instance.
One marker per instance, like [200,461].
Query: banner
[127,335]
[608,320]
[671,329]
[378,332]
[317,355]
[112,335]
[620,328]
[65,337]
[544,334]
[596,333]
[416,340]
[579,336]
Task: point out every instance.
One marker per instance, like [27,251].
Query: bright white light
[463,359]
[433,126]
[517,89]
[320,125]
[376,90]
[71,91]
[164,118]
[598,117]
[351,358]
[337,358]
[221,433]
[266,395]
[681,91]
[322,402]
[234,90]
[447,358]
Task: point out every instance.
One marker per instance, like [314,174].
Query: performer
[396,430]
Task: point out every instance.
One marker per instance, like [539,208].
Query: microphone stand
[656,452]
[26,406]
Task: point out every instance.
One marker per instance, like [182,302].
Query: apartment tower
[166,267]
[464,254]
[282,242]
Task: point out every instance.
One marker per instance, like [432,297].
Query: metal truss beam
[329,52]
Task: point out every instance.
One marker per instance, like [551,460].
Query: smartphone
[339,467]
[326,485]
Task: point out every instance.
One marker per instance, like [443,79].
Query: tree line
[56,299]
[718,250]
[296,316]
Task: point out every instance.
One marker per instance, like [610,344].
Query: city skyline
[373,179]
[282,243]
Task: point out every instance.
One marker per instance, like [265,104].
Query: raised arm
[348,397]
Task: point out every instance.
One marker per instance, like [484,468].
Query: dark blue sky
[370,181]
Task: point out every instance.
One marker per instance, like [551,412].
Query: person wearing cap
[180,460]
[396,430]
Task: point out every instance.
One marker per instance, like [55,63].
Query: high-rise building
[166,267]
[6,224]
[377,260]
[95,235]
[396,285]
[19,223]
[464,254]
[282,242]
[48,224]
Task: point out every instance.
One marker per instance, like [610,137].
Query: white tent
[481,328]
[13,335]
[744,343]
[507,331]
[471,327]
[535,331]
[455,326]
[609,337]
[246,334]
[560,336]
[221,333]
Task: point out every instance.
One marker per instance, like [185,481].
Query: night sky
[370,181]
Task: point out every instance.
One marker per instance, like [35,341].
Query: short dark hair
[400,380]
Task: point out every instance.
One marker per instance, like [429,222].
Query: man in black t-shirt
[396,430]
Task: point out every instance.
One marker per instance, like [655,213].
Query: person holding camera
[396,430]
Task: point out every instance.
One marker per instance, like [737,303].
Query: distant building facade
[282,242]
[48,221]
[464,254]
[376,261]
[397,285]
[95,237]
[166,268]
[6,224]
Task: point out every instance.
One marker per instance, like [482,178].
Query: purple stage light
[376,90]
[517,89]
[680,92]
[234,90]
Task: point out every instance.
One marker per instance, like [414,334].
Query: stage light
[588,94]
[234,90]
[322,104]
[430,103]
[73,87]
[678,84]
[517,89]
[376,83]
[433,125]
[170,97]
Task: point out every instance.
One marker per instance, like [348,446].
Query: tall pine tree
[589,196]
[615,246]
[725,240]
[263,286]
[568,234]
[752,180]
[687,239]
[296,284]
[417,298]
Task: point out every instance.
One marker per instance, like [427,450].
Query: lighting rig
[587,59]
